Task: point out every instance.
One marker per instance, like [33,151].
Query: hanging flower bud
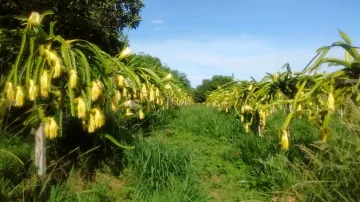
[242,118]
[44,84]
[81,108]
[73,78]
[246,127]
[96,90]
[331,102]
[141,114]
[120,80]
[284,140]
[144,90]
[99,118]
[114,105]
[157,92]
[51,128]
[91,124]
[117,96]
[32,90]
[152,95]
[10,95]
[19,100]
[125,94]
[57,68]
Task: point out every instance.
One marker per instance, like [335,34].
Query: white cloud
[244,56]
[159,28]
[157,22]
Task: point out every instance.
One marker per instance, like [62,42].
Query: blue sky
[247,38]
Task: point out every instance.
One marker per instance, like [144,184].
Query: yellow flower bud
[99,118]
[120,80]
[125,92]
[144,90]
[117,96]
[114,105]
[10,92]
[141,114]
[96,90]
[91,124]
[284,140]
[44,84]
[32,90]
[73,78]
[81,108]
[157,92]
[152,95]
[246,127]
[51,128]
[34,19]
[19,100]
[57,68]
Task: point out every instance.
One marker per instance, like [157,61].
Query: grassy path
[215,161]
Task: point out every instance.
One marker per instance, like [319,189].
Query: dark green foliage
[100,22]
[209,85]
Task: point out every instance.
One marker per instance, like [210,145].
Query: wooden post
[40,151]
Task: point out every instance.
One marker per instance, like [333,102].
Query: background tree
[155,63]
[100,22]
[209,85]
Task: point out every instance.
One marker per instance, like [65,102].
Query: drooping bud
[141,114]
[331,102]
[152,95]
[91,124]
[51,128]
[120,80]
[144,90]
[10,95]
[81,108]
[73,78]
[32,90]
[284,140]
[96,90]
[19,100]
[99,118]
[44,84]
